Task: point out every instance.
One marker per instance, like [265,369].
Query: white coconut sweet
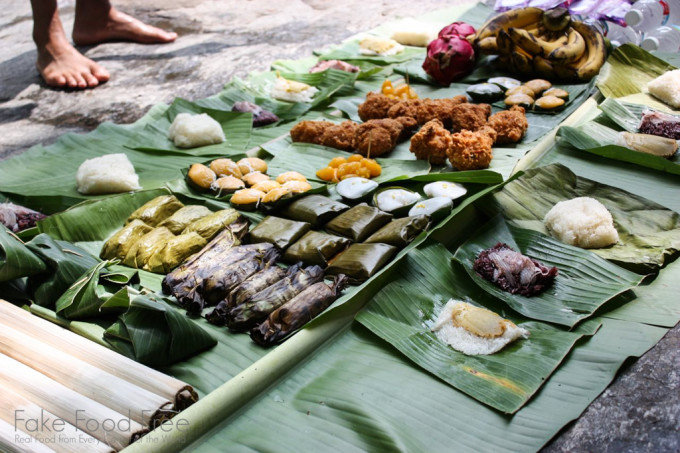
[190,131]
[474,330]
[447,189]
[292,91]
[111,173]
[583,222]
[393,199]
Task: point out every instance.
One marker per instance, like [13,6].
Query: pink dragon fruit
[457,28]
[449,58]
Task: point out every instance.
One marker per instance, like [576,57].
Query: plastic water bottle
[616,34]
[663,39]
[647,15]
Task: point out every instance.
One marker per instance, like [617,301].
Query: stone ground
[220,39]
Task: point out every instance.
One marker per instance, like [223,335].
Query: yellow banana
[488,46]
[586,67]
[572,50]
[519,18]
[544,68]
[533,44]
[503,43]
[521,62]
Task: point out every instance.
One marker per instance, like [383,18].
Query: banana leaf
[584,281]
[649,234]
[15,259]
[153,333]
[303,65]
[403,312]
[236,126]
[349,52]
[626,73]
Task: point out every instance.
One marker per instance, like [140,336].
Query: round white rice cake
[111,173]
[583,222]
[190,131]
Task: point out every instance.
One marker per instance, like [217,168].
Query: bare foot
[117,26]
[61,65]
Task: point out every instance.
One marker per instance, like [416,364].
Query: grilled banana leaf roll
[256,310]
[149,244]
[243,292]
[316,248]
[155,211]
[359,222]
[120,243]
[212,224]
[313,209]
[278,231]
[175,252]
[360,261]
[400,232]
[183,217]
[297,312]
[227,274]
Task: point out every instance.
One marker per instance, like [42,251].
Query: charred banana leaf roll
[183,217]
[278,231]
[240,263]
[212,224]
[244,292]
[152,242]
[120,243]
[297,312]
[256,310]
[190,274]
[155,211]
[175,252]
[316,248]
[313,209]
[359,222]
[400,232]
[361,261]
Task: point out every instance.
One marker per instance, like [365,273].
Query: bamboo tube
[97,420]
[15,441]
[182,394]
[113,392]
[45,427]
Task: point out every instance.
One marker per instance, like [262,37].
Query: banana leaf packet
[151,243]
[317,248]
[297,312]
[361,261]
[400,232]
[175,252]
[155,211]
[118,245]
[185,216]
[359,222]
[280,232]
[210,225]
[313,209]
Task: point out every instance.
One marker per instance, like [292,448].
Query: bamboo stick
[182,394]
[113,392]
[16,441]
[114,429]
[45,427]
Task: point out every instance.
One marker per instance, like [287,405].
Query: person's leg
[59,63]
[97,21]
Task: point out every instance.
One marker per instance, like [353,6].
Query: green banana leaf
[303,65]
[66,264]
[584,281]
[627,72]
[403,312]
[236,126]
[153,333]
[626,115]
[349,51]
[649,234]
[15,259]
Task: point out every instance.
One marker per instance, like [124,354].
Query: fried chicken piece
[511,125]
[471,150]
[431,142]
[309,131]
[377,137]
[340,136]
[440,109]
[409,126]
[469,116]
[375,106]
[407,107]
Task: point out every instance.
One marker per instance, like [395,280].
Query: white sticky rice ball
[111,173]
[190,131]
[666,87]
[583,222]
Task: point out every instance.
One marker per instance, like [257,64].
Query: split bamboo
[16,441]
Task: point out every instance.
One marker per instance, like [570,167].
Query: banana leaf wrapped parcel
[183,217]
[297,312]
[400,232]
[212,224]
[157,210]
[118,245]
[361,261]
[175,252]
[278,231]
[317,248]
[152,242]
[313,209]
[359,222]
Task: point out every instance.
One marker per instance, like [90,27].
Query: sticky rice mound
[190,131]
[292,90]
[111,173]
[666,87]
[583,222]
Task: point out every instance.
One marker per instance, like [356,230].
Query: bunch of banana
[549,44]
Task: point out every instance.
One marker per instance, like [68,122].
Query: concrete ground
[220,39]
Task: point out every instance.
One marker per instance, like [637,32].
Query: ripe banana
[518,18]
[544,68]
[533,44]
[572,50]
[488,45]
[590,62]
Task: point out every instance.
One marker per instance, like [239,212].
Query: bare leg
[97,21]
[59,63]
